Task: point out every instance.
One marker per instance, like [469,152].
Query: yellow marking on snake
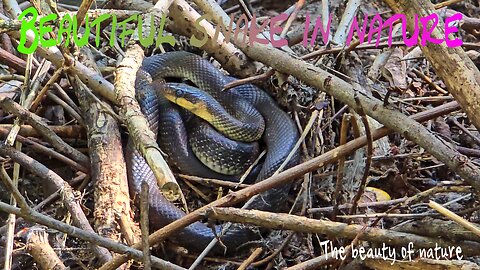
[197,108]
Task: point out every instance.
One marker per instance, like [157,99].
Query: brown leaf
[395,70]
[442,128]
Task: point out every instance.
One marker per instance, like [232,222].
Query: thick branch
[144,138]
[107,164]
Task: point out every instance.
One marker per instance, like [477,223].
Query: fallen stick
[335,229]
[71,131]
[107,164]
[40,249]
[140,133]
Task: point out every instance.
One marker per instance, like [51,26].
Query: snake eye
[179,93]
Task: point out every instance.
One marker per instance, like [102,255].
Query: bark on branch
[144,138]
[334,229]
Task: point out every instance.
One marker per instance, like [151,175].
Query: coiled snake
[279,136]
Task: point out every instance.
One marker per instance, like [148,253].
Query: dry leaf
[395,70]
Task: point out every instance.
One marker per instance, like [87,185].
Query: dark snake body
[280,136]
[226,141]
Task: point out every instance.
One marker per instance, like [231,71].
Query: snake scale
[279,136]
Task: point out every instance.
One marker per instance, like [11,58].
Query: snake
[279,134]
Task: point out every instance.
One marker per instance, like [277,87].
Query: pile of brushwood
[385,96]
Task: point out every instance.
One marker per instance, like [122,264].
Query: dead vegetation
[389,140]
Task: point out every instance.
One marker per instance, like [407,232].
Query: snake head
[189,98]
